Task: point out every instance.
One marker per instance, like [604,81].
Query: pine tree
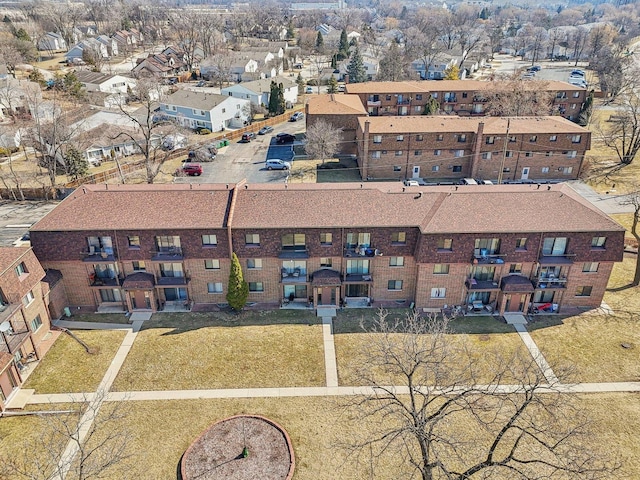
[357,72]
[291,32]
[76,166]
[332,86]
[281,103]
[273,99]
[238,290]
[432,107]
[343,47]
[319,42]
[301,83]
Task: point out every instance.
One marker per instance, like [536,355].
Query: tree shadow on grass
[621,288]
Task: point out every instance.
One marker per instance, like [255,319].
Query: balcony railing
[562,259]
[452,99]
[167,253]
[94,254]
[358,278]
[12,340]
[474,284]
[372,103]
[105,280]
[404,101]
[294,252]
[550,282]
[361,251]
[486,258]
[295,275]
[163,280]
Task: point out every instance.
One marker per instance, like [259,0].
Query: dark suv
[247,137]
[285,138]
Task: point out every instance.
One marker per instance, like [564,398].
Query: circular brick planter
[219,453]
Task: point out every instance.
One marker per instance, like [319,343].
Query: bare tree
[622,135]
[577,43]
[322,140]
[514,96]
[633,199]
[394,66]
[443,420]
[98,434]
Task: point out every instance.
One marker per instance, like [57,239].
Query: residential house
[102,82]
[108,142]
[75,54]
[81,32]
[259,91]
[110,43]
[52,42]
[206,110]
[491,249]
[159,65]
[24,316]
[436,69]
[19,98]
[449,148]
[178,52]
[236,66]
[339,111]
[126,39]
[270,63]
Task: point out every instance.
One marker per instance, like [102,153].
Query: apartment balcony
[361,252]
[487,258]
[12,340]
[294,253]
[404,101]
[452,99]
[94,254]
[475,285]
[295,275]
[371,103]
[358,278]
[167,254]
[7,310]
[550,282]
[105,281]
[165,281]
[563,259]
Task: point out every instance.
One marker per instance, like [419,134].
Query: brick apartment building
[451,147]
[499,248]
[463,97]
[24,317]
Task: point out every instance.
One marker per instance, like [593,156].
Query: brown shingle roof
[449,86]
[492,125]
[10,255]
[139,207]
[332,104]
[138,280]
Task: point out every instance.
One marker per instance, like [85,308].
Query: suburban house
[24,316]
[198,55]
[449,148]
[80,32]
[340,111]
[464,98]
[127,39]
[372,244]
[436,69]
[160,65]
[75,53]
[107,142]
[259,91]
[110,43]
[18,98]
[52,42]
[206,110]
[236,67]
[102,82]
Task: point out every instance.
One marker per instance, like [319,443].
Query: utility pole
[504,152]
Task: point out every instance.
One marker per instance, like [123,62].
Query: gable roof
[388,87]
[264,84]
[96,78]
[199,100]
[334,104]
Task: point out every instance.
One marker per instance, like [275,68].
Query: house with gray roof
[259,91]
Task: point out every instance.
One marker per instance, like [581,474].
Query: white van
[468,181]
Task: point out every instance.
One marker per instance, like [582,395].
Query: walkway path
[331,369]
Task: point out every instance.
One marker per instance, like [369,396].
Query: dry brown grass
[303,171]
[168,356]
[67,367]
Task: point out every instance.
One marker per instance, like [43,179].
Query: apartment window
[438,292]
[590,267]
[435,168]
[224,110]
[388,98]
[439,137]
[598,242]
[553,138]
[465,94]
[462,137]
[399,138]
[134,241]
[377,139]
[515,268]
[398,153]
[418,96]
[573,107]
[399,237]
[212,264]
[138,266]
[506,170]
[254,263]
[21,269]
[36,323]
[326,262]
[584,291]
[566,170]
[437,153]
[167,243]
[394,285]
[548,154]
[214,287]
[572,154]
[417,109]
[375,154]
[486,156]
[256,287]
[441,269]
[533,138]
[294,242]
[490,140]
[457,169]
[326,238]
[486,246]
[545,169]
[512,139]
[528,154]
[417,152]
[521,243]
[355,239]
[576,94]
[419,138]
[554,246]
[209,240]
[252,239]
[357,267]
[397,168]
[508,154]
[28,298]
[445,244]
[396,261]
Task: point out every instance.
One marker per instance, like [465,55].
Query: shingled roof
[335,104]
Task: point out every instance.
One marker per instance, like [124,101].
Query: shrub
[6,151]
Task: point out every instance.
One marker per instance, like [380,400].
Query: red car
[191,169]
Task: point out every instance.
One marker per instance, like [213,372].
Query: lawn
[343,170]
[67,367]
[119,318]
[163,430]
[200,351]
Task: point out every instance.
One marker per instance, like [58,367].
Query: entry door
[416,171]
[525,173]
[139,299]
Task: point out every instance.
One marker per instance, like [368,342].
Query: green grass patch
[68,367]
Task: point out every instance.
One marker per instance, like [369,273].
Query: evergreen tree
[238,290]
[343,47]
[273,99]
[332,85]
[319,42]
[334,62]
[432,107]
[281,103]
[76,166]
[357,72]
[452,73]
[21,34]
[291,32]
[301,83]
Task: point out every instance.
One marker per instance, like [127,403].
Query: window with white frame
[399,138]
[394,285]
[326,238]
[437,153]
[572,154]
[21,269]
[252,239]
[438,292]
[212,264]
[254,263]
[28,298]
[377,139]
[256,287]
[545,169]
[397,168]
[398,153]
[417,153]
[590,267]
[396,261]
[533,138]
[419,137]
[209,240]
[214,287]
[326,262]
[576,139]
[458,153]
[399,238]
[36,323]
[490,140]
[508,154]
[439,138]
[598,242]
[584,291]
[486,156]
[548,154]
[528,154]
[375,154]
[441,269]
[576,94]
[553,138]
[566,170]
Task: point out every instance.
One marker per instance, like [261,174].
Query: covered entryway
[515,294]
[140,295]
[326,287]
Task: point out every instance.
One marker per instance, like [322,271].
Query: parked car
[201,83]
[342,88]
[411,183]
[484,182]
[579,82]
[265,130]
[285,138]
[577,73]
[535,68]
[191,169]
[308,90]
[296,116]
[468,181]
[247,137]
[277,164]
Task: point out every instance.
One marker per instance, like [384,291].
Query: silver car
[277,164]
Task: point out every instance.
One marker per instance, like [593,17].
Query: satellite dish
[5,327]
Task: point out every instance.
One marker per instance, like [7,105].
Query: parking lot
[246,160]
